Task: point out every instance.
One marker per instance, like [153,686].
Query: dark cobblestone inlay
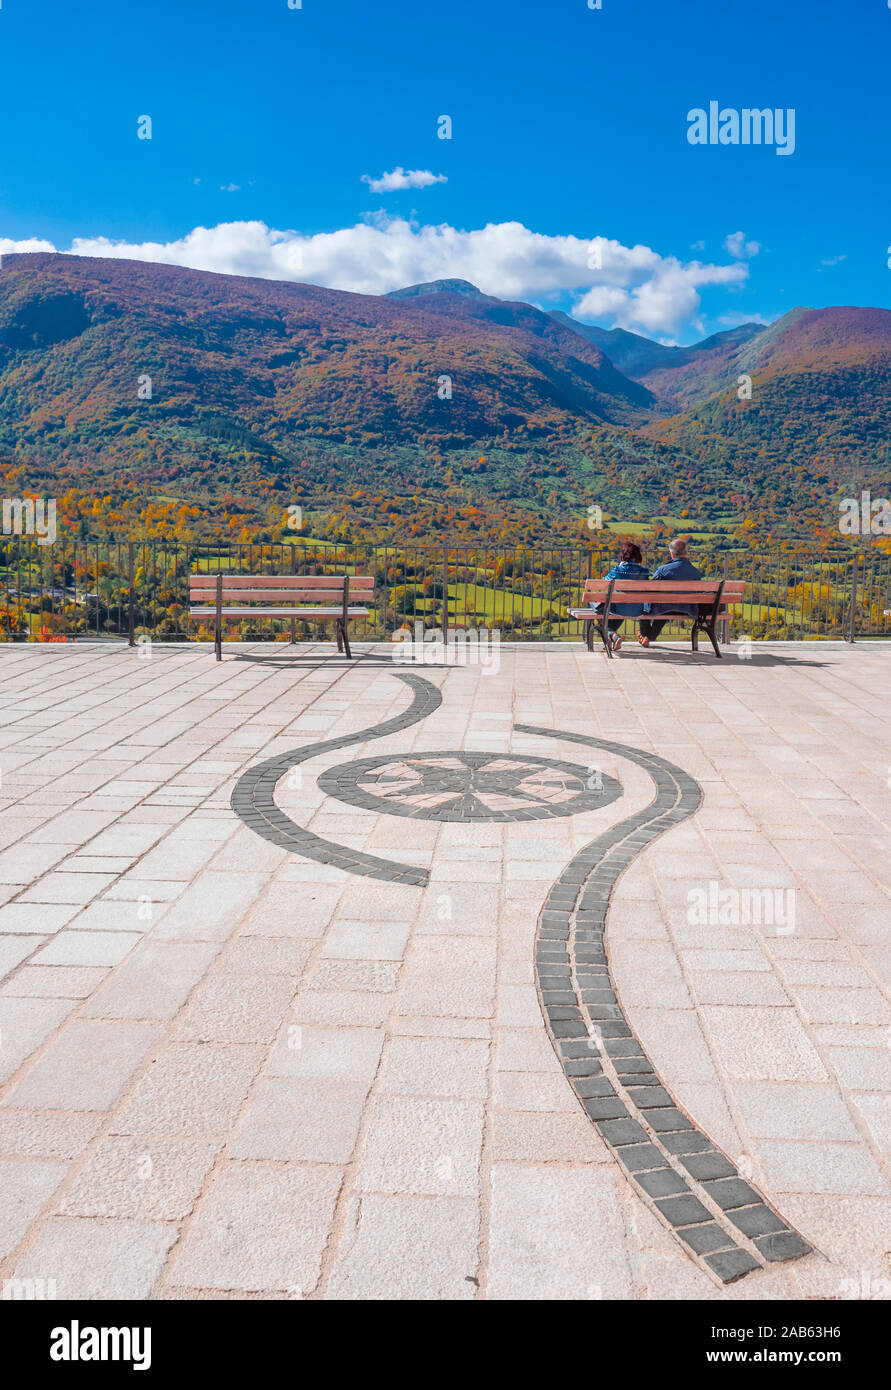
[721,1220]
[462,786]
[253,796]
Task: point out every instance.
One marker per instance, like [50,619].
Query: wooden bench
[713,598]
[309,597]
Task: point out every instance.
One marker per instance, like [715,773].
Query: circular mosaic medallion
[470,786]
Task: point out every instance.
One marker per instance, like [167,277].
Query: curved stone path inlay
[253,796]
[721,1220]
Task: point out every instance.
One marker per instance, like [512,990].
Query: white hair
[678,547]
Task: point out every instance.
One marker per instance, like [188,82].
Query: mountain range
[174,382]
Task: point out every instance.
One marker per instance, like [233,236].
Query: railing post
[587,629]
[293,571]
[724,621]
[132,616]
[852,612]
[445,594]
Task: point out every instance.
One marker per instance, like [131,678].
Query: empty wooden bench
[713,597]
[309,597]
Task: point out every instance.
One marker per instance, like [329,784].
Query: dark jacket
[627,569]
[675,570]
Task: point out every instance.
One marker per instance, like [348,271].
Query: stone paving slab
[233,1068]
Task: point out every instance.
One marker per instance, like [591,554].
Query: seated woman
[629,567]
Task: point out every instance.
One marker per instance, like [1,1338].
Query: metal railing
[120,589]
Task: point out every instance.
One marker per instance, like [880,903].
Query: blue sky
[569,124]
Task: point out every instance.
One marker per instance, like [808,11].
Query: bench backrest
[665,591]
[301,589]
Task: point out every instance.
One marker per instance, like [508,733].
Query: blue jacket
[675,570]
[627,569]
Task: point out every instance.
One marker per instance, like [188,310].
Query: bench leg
[604,637]
[339,630]
[694,637]
[218,620]
[588,638]
[344,639]
[714,640]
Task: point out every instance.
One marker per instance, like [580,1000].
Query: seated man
[677,568]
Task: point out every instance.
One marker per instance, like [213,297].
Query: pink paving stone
[86,1067]
[26,1187]
[304,1120]
[67,888]
[589,1262]
[397,1247]
[98,1260]
[55,981]
[139,1179]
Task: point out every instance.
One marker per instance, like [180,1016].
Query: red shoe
[644,641]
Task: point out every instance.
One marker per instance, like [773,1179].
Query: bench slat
[319,612]
[667,613]
[282,581]
[591,611]
[655,595]
[271,595]
[664,591]
[667,586]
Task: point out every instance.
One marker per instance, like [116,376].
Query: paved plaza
[553,978]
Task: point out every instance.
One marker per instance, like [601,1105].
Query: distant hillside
[820,412]
[280,362]
[714,364]
[677,376]
[467,303]
[434,408]
[437,287]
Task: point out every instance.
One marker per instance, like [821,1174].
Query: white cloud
[734,320]
[834,260]
[632,287]
[739,248]
[400,178]
[230,187]
[9,248]
[640,289]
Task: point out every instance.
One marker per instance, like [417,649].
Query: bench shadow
[704,656]
[663,655]
[307,660]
